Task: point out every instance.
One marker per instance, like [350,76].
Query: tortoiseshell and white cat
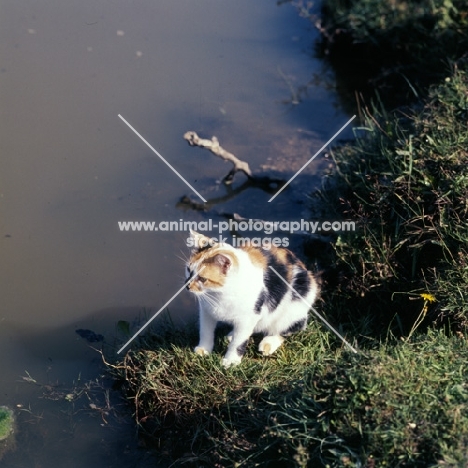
[236,285]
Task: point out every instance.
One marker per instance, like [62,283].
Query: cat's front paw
[231,361]
[201,351]
[270,344]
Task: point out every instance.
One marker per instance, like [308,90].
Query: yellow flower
[428,297]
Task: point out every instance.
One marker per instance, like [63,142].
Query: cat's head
[210,264]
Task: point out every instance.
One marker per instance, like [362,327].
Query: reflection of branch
[187,202]
[266,184]
[213,145]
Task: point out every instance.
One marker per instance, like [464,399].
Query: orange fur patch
[282,255]
[212,271]
[256,256]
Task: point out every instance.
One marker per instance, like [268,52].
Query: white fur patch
[270,344]
[201,351]
[231,361]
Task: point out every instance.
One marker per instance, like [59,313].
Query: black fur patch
[276,288]
[295,327]
[242,348]
[301,284]
[260,302]
[292,260]
[197,249]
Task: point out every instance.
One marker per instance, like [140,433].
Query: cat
[236,285]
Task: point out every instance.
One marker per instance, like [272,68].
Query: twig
[213,145]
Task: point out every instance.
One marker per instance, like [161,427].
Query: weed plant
[405,183]
[6,422]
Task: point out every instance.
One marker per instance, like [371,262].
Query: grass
[6,422]
[313,404]
[7,427]
[404,180]
[397,47]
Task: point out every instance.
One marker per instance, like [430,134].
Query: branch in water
[213,145]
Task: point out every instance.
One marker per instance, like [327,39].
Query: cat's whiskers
[184,257]
[209,299]
[204,299]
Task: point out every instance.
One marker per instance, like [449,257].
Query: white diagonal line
[315,312]
[312,158]
[157,154]
[162,308]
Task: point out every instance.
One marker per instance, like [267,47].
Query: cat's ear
[223,261]
[199,241]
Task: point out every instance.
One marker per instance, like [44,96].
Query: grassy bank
[399,404]
[404,180]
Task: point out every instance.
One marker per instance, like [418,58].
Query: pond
[71,169]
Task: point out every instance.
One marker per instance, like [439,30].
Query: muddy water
[70,169]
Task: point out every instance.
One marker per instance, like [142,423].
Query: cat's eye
[201,279]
